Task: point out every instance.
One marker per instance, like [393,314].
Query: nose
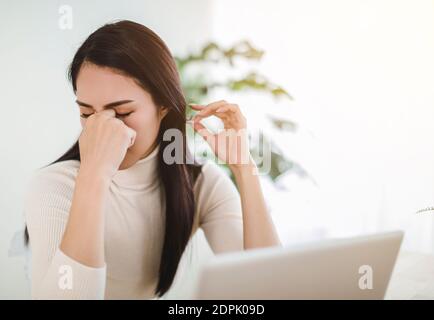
[109,112]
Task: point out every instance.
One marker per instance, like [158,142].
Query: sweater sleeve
[220,213]
[54,275]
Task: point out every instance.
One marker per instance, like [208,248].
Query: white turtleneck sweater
[134,229]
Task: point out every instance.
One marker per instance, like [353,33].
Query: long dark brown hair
[139,53]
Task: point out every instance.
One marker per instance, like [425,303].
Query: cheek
[146,125]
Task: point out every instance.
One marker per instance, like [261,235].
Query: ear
[163,112]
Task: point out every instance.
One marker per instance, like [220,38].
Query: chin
[127,161]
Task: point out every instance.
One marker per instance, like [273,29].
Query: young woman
[111,217]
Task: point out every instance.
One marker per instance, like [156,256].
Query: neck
[138,173]
[130,158]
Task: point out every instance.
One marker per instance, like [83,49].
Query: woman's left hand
[231,144]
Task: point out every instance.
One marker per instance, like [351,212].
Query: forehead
[101,85]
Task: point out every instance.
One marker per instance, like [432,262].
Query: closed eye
[83,115]
[118,115]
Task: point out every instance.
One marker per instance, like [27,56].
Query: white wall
[39,118]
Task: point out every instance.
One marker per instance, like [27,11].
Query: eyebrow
[107,106]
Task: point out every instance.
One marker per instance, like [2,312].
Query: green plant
[197,85]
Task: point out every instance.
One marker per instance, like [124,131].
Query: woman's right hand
[104,142]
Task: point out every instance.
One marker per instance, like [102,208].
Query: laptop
[350,268]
